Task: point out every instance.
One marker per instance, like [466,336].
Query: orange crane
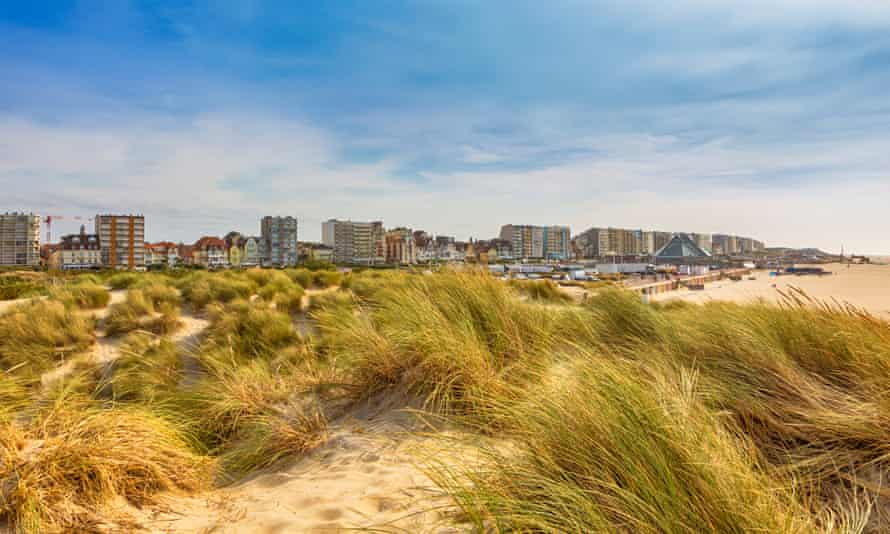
[49,223]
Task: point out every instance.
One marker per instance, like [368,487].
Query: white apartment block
[19,239]
[539,242]
[359,243]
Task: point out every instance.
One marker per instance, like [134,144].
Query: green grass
[614,446]
[15,287]
[452,339]
[201,288]
[36,335]
[83,294]
[148,370]
[147,310]
[611,416]
[123,280]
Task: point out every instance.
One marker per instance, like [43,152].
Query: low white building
[78,252]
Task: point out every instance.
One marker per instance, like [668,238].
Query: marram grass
[611,416]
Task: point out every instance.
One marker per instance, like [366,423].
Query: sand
[864,286]
[365,477]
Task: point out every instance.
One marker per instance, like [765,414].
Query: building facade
[252,255]
[359,243]
[279,235]
[123,241]
[81,251]
[210,252]
[537,242]
[161,255]
[400,248]
[19,239]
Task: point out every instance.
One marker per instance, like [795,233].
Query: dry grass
[452,339]
[202,288]
[149,309]
[36,335]
[611,416]
[84,294]
[541,290]
[59,473]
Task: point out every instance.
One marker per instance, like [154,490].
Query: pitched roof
[682,246]
[208,241]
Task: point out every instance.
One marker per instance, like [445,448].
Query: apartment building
[352,242]
[19,239]
[537,242]
[161,254]
[123,241]
[400,247]
[703,241]
[78,252]
[726,245]
[253,251]
[279,236]
[210,252]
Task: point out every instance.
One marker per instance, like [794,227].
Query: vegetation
[149,310]
[36,335]
[611,415]
[201,288]
[541,290]
[83,294]
[16,287]
[59,473]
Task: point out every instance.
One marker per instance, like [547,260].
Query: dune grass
[541,290]
[36,335]
[201,288]
[611,416]
[614,446]
[83,294]
[147,372]
[59,473]
[147,309]
[452,339]
[123,280]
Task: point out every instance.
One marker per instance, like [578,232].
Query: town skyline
[732,117]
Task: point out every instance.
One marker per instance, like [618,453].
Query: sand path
[107,349]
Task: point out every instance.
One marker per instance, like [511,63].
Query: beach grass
[613,415]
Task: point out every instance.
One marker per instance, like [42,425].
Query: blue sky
[762,118]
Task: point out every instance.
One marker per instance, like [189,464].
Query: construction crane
[48,221]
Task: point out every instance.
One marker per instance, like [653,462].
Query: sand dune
[365,477]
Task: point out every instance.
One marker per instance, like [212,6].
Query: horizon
[750,118]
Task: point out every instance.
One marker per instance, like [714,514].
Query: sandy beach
[864,286]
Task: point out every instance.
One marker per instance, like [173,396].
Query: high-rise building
[662,239]
[704,241]
[400,247]
[591,242]
[360,243]
[279,235]
[537,242]
[122,238]
[648,244]
[19,239]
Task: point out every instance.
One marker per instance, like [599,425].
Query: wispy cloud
[750,117]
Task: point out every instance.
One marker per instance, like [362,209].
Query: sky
[768,119]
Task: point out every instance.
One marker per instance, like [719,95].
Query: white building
[359,243]
[19,239]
